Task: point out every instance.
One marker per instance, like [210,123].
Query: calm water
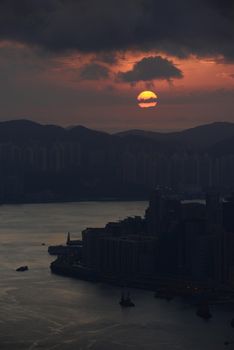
[39,310]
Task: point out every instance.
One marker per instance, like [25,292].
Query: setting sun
[147,99]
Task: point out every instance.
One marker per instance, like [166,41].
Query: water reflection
[44,311]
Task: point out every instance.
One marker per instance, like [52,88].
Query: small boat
[203,311]
[126,301]
[22,268]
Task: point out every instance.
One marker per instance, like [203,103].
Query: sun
[147,99]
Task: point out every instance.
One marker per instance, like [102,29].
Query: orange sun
[147,99]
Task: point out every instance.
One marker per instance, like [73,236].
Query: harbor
[46,309]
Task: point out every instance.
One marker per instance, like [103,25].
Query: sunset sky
[72,62]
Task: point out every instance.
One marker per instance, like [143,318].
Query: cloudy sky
[72,62]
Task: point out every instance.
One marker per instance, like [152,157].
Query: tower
[68,238]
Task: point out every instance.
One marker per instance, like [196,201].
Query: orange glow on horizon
[204,74]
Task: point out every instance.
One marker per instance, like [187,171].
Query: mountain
[199,137]
[52,163]
[206,135]
[23,131]
[224,147]
[89,137]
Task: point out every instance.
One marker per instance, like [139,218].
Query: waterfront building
[176,241]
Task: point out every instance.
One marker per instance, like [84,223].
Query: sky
[84,62]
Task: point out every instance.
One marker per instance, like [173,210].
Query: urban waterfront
[40,310]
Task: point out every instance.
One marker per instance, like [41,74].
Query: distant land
[51,163]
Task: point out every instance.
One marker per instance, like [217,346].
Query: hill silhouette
[198,137]
[48,162]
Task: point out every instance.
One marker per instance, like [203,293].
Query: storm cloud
[180,27]
[94,71]
[151,68]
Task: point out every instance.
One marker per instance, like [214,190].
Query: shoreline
[82,200]
[92,199]
[172,288]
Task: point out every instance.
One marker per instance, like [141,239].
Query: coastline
[96,199]
[163,288]
[80,200]
[82,273]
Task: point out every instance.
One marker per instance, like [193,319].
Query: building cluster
[70,170]
[26,168]
[40,156]
[185,172]
[176,240]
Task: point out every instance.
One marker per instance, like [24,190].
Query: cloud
[33,87]
[94,71]
[106,57]
[200,27]
[151,68]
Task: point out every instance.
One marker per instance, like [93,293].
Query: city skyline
[49,163]
[116,174]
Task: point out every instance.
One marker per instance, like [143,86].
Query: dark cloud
[26,91]
[106,57]
[179,27]
[93,71]
[151,68]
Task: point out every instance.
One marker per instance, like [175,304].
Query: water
[39,310]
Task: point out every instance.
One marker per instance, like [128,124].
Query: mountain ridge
[196,138]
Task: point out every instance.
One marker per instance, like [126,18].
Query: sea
[40,310]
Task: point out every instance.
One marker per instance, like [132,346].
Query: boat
[126,301]
[22,268]
[203,311]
